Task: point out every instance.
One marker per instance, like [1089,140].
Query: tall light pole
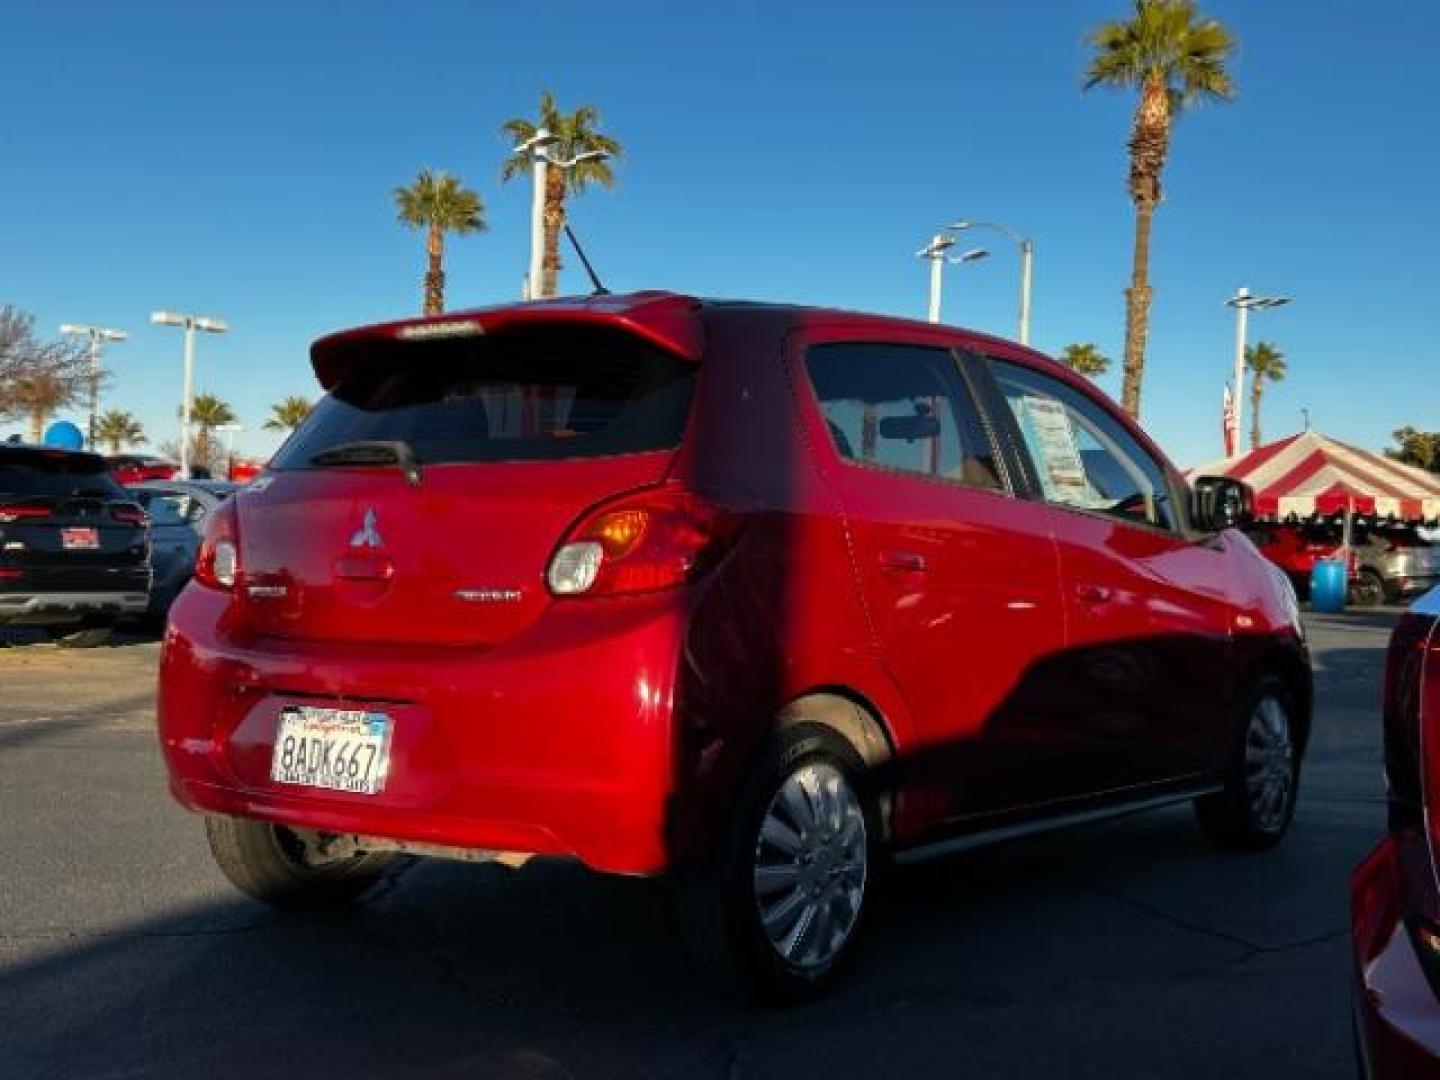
[537,149]
[1027,266]
[97,335]
[191,323]
[1243,303]
[936,251]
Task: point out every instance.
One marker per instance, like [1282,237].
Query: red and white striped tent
[1309,475]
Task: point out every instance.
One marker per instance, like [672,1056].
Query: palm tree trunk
[435,274]
[37,425]
[1255,393]
[1149,145]
[554,220]
[1137,313]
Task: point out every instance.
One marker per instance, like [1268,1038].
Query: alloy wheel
[811,865]
[1269,764]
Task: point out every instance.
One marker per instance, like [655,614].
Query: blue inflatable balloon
[64,435]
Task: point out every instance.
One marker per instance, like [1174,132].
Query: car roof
[217,488]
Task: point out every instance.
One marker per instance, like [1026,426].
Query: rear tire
[277,866]
[1262,780]
[777,913]
[1368,590]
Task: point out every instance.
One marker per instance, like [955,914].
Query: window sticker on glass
[1053,437]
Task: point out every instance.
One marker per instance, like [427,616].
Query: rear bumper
[40,607]
[1397,1016]
[557,742]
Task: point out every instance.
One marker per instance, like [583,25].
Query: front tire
[777,913]
[282,867]
[1262,780]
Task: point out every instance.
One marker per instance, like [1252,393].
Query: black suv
[74,547]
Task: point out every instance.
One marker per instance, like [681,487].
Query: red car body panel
[618,730]
[1395,898]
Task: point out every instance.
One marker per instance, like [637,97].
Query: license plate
[82,539]
[338,749]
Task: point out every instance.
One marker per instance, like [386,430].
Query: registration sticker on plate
[82,539]
[339,749]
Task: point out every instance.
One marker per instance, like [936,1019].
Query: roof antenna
[600,290]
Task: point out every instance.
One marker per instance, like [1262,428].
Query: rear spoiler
[664,319]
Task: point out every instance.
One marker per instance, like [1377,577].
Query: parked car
[1394,564]
[178,511]
[754,596]
[1385,563]
[74,549]
[1395,907]
[131,469]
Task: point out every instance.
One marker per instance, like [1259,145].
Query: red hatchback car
[752,595]
[1395,899]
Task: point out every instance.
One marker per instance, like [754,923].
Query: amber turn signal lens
[619,532]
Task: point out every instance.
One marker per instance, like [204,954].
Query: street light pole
[935,251]
[1243,302]
[97,335]
[542,161]
[191,323]
[1027,266]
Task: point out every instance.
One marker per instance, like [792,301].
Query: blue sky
[238,160]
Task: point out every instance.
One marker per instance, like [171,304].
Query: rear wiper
[373,452]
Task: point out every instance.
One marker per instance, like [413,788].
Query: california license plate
[81,539]
[339,749]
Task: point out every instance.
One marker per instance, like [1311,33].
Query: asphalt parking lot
[1127,950]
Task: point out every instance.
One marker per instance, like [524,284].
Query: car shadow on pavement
[1012,959]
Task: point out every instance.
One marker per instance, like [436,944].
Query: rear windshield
[35,474]
[523,396]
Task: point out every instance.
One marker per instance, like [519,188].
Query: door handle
[1094,594]
[908,561]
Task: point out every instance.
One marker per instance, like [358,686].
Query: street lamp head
[114,335]
[213,326]
[540,139]
[71,328]
[167,318]
[938,245]
[973,255]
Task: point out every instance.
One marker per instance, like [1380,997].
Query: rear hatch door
[422,499]
[64,521]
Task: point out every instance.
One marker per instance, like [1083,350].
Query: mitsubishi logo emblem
[368,536]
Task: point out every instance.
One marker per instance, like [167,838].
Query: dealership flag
[1227,421]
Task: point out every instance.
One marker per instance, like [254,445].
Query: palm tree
[1085,359]
[288,414]
[1176,59]
[574,134]
[1266,362]
[116,429]
[207,412]
[39,395]
[438,203]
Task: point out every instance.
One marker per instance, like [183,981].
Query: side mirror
[909,428]
[1221,503]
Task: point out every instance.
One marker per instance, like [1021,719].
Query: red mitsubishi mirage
[753,596]
[1395,899]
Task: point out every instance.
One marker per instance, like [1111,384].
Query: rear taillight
[22,513]
[650,540]
[218,564]
[128,515]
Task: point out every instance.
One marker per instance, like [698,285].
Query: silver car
[1393,565]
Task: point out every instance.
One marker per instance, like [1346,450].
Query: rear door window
[522,396]
[902,407]
[1083,457]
